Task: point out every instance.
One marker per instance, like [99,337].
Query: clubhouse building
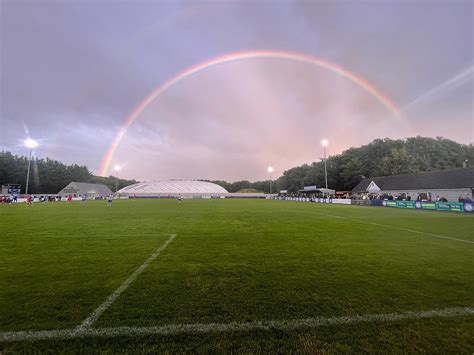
[450,184]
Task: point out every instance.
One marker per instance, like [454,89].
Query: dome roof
[173,187]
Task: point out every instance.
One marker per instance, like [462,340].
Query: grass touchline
[199,328]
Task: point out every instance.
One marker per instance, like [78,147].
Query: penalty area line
[203,328]
[87,323]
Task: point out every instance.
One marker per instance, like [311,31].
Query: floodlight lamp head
[30,143]
[270,169]
[324,143]
[117,167]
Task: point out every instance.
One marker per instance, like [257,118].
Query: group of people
[8,199]
[29,199]
[465,198]
[304,198]
[403,196]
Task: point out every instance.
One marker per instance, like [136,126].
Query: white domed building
[173,188]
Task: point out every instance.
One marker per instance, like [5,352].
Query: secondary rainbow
[239,56]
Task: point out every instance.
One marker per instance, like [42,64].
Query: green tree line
[382,157]
[49,176]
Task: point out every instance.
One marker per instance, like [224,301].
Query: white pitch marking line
[393,227]
[202,328]
[87,323]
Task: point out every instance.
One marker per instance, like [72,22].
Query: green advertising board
[434,206]
[450,206]
[405,204]
[428,205]
[390,203]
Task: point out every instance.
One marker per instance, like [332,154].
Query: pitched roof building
[85,188]
[449,183]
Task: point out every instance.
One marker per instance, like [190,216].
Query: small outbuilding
[450,184]
[90,190]
[314,190]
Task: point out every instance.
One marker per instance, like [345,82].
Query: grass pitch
[236,262]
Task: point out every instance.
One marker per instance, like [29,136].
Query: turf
[236,261]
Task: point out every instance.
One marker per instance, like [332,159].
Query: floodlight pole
[117,180]
[28,174]
[270,171]
[324,144]
[325,169]
[270,183]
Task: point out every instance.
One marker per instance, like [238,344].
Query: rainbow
[240,56]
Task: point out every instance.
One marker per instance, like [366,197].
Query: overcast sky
[72,71]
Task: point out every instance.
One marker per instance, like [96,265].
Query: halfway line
[87,323]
